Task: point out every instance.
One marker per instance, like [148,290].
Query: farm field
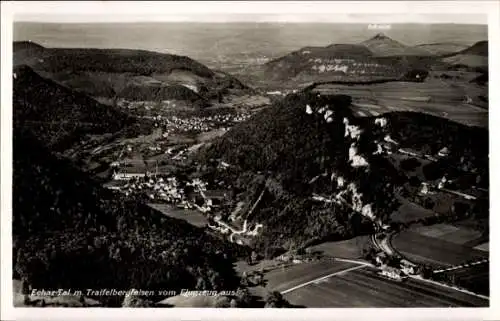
[432,251]
[365,288]
[436,97]
[193,217]
[285,278]
[449,233]
[409,211]
[281,280]
[474,278]
[483,247]
[348,249]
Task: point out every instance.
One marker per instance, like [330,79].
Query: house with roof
[444,152]
[129,171]
[391,272]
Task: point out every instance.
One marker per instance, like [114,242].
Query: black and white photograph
[215,159]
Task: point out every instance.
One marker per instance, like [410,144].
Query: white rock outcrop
[382,122]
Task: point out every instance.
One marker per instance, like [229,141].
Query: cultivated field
[475,278]
[282,279]
[432,251]
[483,247]
[193,217]
[365,288]
[434,96]
[348,249]
[449,233]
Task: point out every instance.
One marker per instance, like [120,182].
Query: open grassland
[483,247]
[365,288]
[436,97]
[409,212]
[432,251]
[349,249]
[193,217]
[449,233]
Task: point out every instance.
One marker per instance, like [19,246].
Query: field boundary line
[322,278]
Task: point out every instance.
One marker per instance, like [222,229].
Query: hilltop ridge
[109,72]
[381,45]
[59,115]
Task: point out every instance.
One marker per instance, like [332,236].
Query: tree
[222,302]
[275,300]
[25,290]
[134,301]
[243,298]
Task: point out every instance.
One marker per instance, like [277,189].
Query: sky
[462,12]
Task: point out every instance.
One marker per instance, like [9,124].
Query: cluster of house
[168,189]
[147,105]
[294,258]
[400,272]
[176,124]
[281,92]
[345,66]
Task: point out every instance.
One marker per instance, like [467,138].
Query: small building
[444,152]
[116,185]
[443,182]
[416,75]
[391,272]
[409,151]
[424,189]
[129,172]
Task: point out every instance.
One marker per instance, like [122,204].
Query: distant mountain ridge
[108,72]
[474,57]
[378,58]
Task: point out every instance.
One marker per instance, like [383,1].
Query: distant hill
[467,61]
[58,115]
[27,45]
[378,58]
[114,69]
[479,48]
[383,46]
[474,57]
[442,48]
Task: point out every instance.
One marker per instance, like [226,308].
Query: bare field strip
[433,251]
[365,288]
